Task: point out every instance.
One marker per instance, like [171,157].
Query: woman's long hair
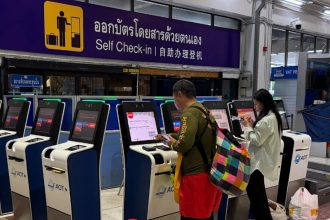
[266,99]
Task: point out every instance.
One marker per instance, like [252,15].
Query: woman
[264,136]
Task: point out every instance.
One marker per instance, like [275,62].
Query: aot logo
[54,186]
[300,158]
[63,27]
[162,190]
[16,173]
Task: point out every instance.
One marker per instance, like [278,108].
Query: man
[61,26]
[198,197]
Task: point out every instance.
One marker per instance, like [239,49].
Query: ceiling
[314,7]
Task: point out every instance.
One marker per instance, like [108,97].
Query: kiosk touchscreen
[284,119]
[238,110]
[220,113]
[13,127]
[171,117]
[71,169]
[149,196]
[24,161]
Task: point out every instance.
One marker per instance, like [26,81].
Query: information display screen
[243,112]
[176,119]
[44,120]
[142,126]
[285,124]
[85,125]
[12,117]
[221,118]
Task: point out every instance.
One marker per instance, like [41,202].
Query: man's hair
[186,87]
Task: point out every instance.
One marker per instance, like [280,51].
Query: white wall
[235,7]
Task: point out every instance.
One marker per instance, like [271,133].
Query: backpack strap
[198,141]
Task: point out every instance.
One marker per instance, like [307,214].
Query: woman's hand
[247,121]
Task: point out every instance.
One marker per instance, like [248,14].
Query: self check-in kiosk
[24,161]
[295,160]
[171,117]
[13,127]
[148,189]
[71,169]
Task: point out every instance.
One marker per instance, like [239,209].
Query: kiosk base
[22,207]
[55,214]
[5,192]
[229,207]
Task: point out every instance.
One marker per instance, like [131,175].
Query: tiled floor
[112,207]
[320,160]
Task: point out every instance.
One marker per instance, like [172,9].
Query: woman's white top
[264,146]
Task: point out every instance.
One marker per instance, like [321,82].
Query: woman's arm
[259,134]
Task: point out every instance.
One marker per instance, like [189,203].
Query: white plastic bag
[277,211]
[303,205]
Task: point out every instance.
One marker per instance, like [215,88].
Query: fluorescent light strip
[294,2]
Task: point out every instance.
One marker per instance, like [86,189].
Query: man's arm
[187,133]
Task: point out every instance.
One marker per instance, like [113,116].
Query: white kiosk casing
[71,169]
[294,169]
[55,169]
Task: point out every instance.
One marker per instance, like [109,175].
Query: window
[278,48]
[191,16]
[293,48]
[321,45]
[92,86]
[227,23]
[151,8]
[309,43]
[121,86]
[120,4]
[60,85]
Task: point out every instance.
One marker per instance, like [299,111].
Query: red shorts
[198,196]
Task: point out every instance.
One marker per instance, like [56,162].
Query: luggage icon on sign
[63,27]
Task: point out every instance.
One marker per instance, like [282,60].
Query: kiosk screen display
[45,120]
[142,126]
[176,119]
[12,117]
[84,128]
[221,118]
[246,112]
[285,124]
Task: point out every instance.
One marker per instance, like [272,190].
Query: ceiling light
[294,2]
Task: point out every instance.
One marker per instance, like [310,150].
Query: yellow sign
[63,27]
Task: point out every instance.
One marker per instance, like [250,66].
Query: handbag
[277,211]
[230,168]
[176,177]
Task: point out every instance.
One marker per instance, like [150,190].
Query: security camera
[296,23]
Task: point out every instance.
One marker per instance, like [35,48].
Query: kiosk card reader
[71,169]
[13,127]
[148,189]
[171,117]
[24,161]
